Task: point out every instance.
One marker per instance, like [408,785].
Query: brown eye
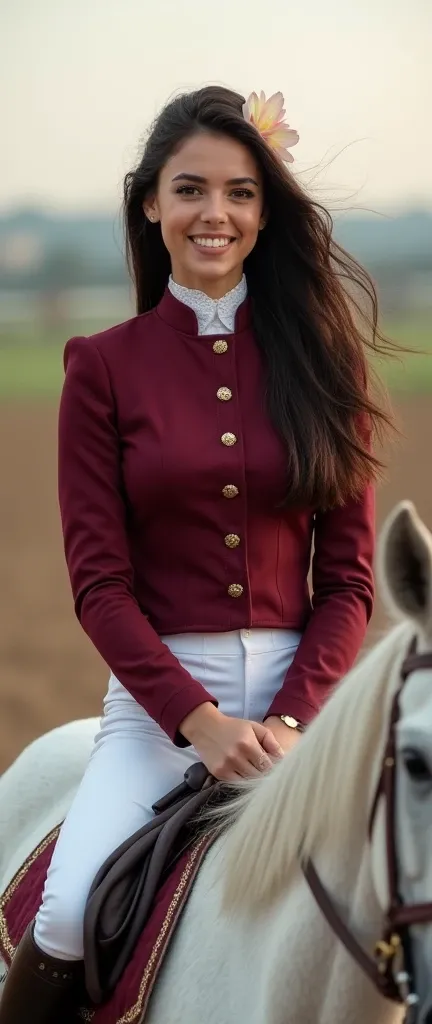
[187,190]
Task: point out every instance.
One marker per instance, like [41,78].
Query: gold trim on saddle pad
[5,939]
[135,1014]
[157,954]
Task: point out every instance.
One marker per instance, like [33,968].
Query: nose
[214,211]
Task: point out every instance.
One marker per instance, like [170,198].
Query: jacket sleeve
[342,603]
[93,512]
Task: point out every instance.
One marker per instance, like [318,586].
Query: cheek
[174,223]
[249,222]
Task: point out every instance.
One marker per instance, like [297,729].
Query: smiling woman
[204,447]
[233,192]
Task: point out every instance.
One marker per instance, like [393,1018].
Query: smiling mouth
[215,244]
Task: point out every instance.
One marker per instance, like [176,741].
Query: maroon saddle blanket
[129,1000]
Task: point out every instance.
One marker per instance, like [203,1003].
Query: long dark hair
[308,306]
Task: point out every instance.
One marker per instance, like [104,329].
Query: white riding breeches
[134,763]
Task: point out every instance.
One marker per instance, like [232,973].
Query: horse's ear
[405,565]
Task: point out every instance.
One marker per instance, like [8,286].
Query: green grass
[410,372]
[31,365]
[33,368]
[30,371]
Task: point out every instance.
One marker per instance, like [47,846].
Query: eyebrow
[203,181]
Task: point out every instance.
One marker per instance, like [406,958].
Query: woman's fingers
[268,741]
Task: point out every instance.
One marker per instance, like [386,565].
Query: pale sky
[80,81]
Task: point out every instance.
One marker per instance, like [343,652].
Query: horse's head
[405,568]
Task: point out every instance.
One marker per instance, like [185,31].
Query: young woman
[205,445]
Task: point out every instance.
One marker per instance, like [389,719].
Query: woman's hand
[286,737]
[231,748]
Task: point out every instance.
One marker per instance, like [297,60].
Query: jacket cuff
[283,704]
[181,705]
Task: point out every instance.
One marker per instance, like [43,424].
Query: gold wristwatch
[292,723]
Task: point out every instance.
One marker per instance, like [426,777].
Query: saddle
[122,894]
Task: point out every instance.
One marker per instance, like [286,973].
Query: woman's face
[209,203]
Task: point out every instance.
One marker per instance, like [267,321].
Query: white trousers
[134,763]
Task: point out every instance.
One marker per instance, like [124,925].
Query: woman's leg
[132,765]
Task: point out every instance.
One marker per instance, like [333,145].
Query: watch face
[292,722]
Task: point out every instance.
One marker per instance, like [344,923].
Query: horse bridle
[394,947]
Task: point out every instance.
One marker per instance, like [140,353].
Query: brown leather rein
[394,945]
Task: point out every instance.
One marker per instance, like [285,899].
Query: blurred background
[80,84]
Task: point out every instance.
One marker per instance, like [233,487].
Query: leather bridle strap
[415,662]
[412,663]
[400,916]
[383,981]
[406,914]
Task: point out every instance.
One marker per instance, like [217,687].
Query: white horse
[252,946]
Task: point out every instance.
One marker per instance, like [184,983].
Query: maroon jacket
[169,490]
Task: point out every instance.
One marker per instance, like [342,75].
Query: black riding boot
[37,985]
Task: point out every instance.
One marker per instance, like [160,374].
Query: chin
[210,271]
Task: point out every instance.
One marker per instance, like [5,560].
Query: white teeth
[212,243]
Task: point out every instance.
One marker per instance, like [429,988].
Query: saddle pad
[128,1003]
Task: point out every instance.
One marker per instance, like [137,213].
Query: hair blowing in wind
[314,307]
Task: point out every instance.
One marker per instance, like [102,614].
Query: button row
[232,540]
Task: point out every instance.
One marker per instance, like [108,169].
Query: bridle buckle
[385,952]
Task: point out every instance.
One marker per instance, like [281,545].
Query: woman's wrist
[197,720]
[286,736]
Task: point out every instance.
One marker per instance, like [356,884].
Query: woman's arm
[343,595]
[96,546]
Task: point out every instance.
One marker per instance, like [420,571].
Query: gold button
[224,394]
[235,590]
[232,540]
[220,346]
[230,491]
[228,439]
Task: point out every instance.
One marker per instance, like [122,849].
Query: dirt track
[49,672]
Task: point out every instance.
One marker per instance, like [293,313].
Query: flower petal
[251,108]
[285,155]
[272,111]
[268,118]
[282,135]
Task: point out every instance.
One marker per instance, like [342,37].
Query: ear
[151,210]
[405,565]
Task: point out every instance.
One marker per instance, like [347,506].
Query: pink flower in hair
[268,118]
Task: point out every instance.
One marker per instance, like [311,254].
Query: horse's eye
[417,766]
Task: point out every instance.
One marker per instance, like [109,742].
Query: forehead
[217,158]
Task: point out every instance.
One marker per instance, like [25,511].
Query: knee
[59,926]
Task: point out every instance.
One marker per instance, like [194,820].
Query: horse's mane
[322,789]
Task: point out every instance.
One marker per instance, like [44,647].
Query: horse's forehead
[416,703]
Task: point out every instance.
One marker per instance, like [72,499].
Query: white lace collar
[213,315]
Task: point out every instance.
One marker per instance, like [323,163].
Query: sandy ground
[49,672]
